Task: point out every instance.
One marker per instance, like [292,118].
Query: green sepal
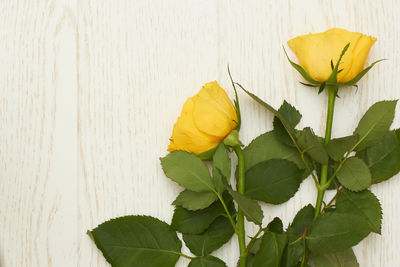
[236,102]
[309,84]
[353,81]
[302,71]
[232,139]
[333,77]
[322,87]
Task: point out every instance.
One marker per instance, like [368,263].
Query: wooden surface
[90,90]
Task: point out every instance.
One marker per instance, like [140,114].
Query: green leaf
[300,70]
[375,123]
[292,253]
[344,258]
[196,222]
[360,75]
[290,113]
[310,143]
[383,158]
[253,251]
[337,147]
[334,231]
[266,147]
[284,121]
[364,203]
[251,209]
[300,225]
[293,117]
[191,200]
[354,174]
[187,170]
[275,226]
[289,129]
[271,250]
[207,261]
[208,154]
[221,167]
[139,241]
[273,181]
[219,232]
[303,220]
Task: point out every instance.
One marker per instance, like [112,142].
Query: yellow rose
[315,52]
[206,119]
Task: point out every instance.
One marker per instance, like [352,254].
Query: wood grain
[38,156]
[91,89]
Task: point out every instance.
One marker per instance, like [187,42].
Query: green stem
[304,260]
[328,131]
[186,256]
[253,240]
[227,213]
[240,219]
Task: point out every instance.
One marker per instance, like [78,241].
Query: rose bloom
[315,52]
[206,119]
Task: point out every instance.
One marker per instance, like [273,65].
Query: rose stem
[241,190]
[324,169]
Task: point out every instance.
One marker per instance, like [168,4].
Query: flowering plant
[209,211]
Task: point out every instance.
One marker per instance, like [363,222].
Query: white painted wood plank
[138,62]
[38,133]
[81,140]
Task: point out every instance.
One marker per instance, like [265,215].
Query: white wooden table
[90,90]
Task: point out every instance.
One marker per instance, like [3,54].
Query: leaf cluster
[275,163]
[370,155]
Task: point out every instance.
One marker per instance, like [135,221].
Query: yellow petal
[213,112]
[315,52]
[186,136]
[360,54]
[205,120]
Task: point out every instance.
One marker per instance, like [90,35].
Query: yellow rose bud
[315,52]
[206,119]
